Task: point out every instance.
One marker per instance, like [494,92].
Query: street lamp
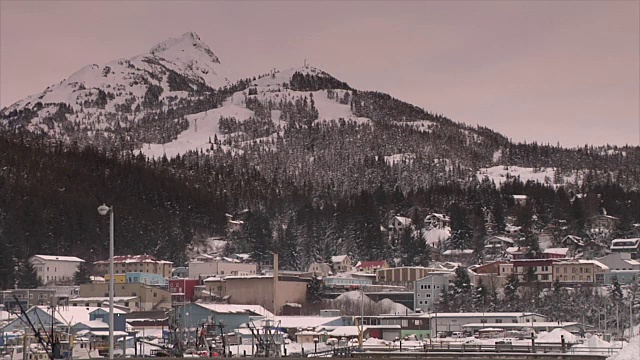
[315,345]
[103,210]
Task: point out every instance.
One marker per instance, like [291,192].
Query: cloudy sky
[541,71]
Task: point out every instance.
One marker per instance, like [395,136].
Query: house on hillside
[517,252]
[593,249]
[370,267]
[437,221]
[54,269]
[574,243]
[631,246]
[320,269]
[602,222]
[519,199]
[341,263]
[399,224]
[497,244]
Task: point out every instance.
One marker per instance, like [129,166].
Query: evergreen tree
[82,276]
[27,277]
[314,290]
[511,287]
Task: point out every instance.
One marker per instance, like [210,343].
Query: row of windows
[575,270]
[573,278]
[425,295]
[428,287]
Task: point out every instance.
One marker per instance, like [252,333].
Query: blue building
[145,278]
[193,315]
[66,316]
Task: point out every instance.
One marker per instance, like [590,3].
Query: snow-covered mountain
[104,98]
[179,98]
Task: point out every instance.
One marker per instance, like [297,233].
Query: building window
[565,270]
[498,321]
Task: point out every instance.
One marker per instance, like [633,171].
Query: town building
[620,261]
[631,246]
[404,276]
[126,303]
[232,316]
[117,278]
[540,269]
[555,253]
[180,272]
[65,316]
[577,272]
[135,263]
[497,244]
[340,282]
[54,269]
[198,269]
[27,298]
[146,278]
[489,274]
[437,221]
[320,269]
[261,290]
[603,222]
[519,199]
[427,291]
[593,249]
[452,322]
[182,290]
[399,224]
[151,298]
[370,267]
[341,263]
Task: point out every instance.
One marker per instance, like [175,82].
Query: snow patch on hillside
[406,158]
[501,173]
[420,125]
[434,236]
[203,127]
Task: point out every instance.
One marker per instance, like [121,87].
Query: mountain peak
[188,42]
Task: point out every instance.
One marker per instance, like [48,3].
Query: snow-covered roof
[349,331]
[403,220]
[516,250]
[479,314]
[371,264]
[501,238]
[95,324]
[620,244]
[556,251]
[304,322]
[458,252]
[338,258]
[134,259]
[58,258]
[237,309]
[439,216]
[596,263]
[103,298]
[519,197]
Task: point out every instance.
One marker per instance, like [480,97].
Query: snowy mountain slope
[271,88]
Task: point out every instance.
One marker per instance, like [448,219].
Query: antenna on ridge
[305,63]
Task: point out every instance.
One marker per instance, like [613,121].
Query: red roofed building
[371,267]
[123,264]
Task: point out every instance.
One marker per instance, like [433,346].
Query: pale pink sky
[533,70]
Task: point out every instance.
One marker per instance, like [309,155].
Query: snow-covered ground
[501,173]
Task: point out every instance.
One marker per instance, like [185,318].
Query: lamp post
[315,345]
[103,210]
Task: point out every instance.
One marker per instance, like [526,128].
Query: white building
[450,322]
[427,291]
[437,221]
[53,269]
[220,268]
